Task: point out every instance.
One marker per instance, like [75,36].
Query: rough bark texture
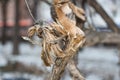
[104,15]
[59,68]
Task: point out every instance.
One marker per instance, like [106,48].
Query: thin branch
[104,15]
[30,12]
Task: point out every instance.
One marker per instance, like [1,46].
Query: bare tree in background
[4,7]
[16,31]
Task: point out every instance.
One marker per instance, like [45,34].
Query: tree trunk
[4,6]
[104,15]
[16,31]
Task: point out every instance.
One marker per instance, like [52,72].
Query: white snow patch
[99,60]
[99,54]
[21,75]
[3,61]
[29,49]
[28,60]
[93,77]
[7,48]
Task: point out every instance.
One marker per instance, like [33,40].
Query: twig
[30,12]
[30,40]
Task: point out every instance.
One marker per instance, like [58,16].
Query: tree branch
[76,75]
[104,15]
[59,68]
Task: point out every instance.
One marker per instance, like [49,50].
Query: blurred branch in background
[105,16]
[4,7]
[98,37]
[16,31]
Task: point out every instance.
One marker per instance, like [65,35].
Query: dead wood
[61,39]
[61,63]
[76,36]
[58,68]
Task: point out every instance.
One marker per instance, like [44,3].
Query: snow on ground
[97,62]
[93,77]
[99,54]
[3,61]
[19,76]
[29,55]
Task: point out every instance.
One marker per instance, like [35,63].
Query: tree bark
[104,15]
[59,68]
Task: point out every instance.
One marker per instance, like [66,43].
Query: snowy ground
[98,63]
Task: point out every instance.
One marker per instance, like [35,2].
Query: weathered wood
[71,66]
[71,28]
[111,24]
[58,68]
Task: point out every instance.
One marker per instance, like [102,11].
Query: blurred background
[98,60]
